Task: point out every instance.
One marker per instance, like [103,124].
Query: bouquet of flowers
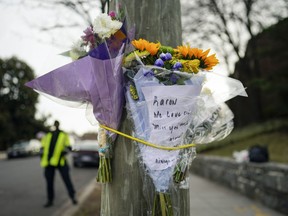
[174,106]
[94,78]
[170,95]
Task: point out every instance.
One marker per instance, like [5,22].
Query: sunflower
[182,50]
[153,48]
[211,61]
[189,53]
[190,66]
[142,45]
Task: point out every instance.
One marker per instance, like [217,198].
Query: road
[22,193]
[22,187]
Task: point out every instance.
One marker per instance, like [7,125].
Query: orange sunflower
[142,45]
[211,61]
[207,62]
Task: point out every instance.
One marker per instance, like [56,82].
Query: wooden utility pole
[127,195]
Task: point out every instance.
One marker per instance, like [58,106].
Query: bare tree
[227,25]
[223,25]
[71,13]
[66,18]
[78,12]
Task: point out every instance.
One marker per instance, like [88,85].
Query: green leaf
[67,53]
[166,49]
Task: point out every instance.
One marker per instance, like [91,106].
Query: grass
[272,134]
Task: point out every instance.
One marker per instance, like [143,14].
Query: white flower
[104,26]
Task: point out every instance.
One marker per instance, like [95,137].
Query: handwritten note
[170,109]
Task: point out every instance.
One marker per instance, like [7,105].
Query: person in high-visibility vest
[55,145]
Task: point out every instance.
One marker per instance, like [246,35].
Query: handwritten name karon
[164,102]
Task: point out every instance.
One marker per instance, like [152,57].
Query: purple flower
[168,56]
[163,56]
[159,62]
[174,78]
[89,35]
[149,73]
[177,66]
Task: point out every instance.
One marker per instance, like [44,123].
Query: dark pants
[49,173]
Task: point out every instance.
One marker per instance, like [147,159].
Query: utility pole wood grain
[127,195]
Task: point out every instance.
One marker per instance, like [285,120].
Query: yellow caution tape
[147,143]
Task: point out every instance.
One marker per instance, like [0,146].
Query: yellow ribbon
[147,143]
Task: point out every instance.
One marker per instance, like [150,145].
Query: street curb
[68,209]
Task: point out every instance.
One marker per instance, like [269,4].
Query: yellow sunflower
[206,62]
[140,44]
[183,50]
[210,62]
[153,48]
[191,66]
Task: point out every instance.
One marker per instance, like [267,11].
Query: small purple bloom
[112,14]
[168,56]
[163,56]
[177,66]
[174,78]
[159,62]
[89,35]
[149,73]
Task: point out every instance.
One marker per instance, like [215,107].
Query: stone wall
[266,182]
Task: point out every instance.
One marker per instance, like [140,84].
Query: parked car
[24,148]
[85,153]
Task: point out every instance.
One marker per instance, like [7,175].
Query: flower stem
[104,171]
[162,205]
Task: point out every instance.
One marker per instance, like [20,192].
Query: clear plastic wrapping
[167,106]
[93,80]
[175,115]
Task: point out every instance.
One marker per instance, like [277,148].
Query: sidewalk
[89,198]
[206,199]
[211,199]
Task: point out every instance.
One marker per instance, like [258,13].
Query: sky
[18,38]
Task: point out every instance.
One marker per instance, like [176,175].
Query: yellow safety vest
[61,143]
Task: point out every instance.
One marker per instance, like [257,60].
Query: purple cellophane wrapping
[96,79]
